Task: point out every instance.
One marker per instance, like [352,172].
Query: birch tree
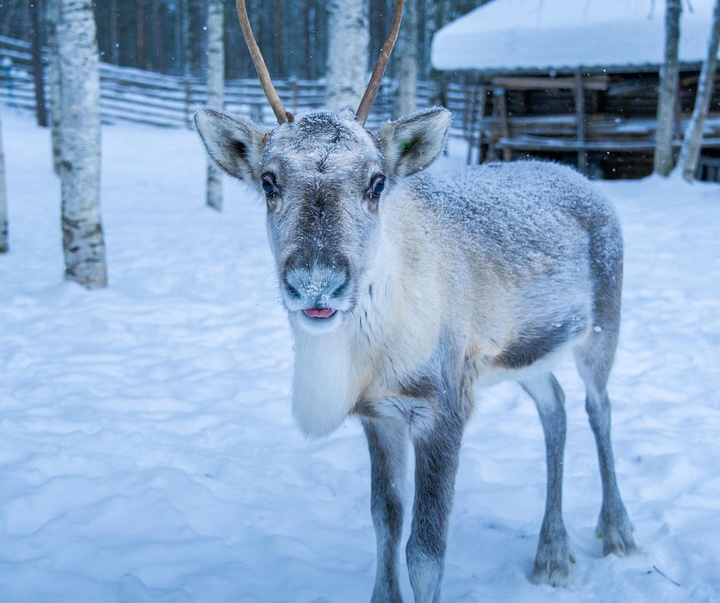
[216,90]
[408,60]
[3,201]
[348,44]
[82,233]
[667,94]
[692,141]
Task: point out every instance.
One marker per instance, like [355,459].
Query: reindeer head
[325,179]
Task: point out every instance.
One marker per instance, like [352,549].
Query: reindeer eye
[268,185]
[377,187]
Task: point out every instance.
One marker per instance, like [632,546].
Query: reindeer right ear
[234,143]
[413,142]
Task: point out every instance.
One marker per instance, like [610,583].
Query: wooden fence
[133,95]
[486,115]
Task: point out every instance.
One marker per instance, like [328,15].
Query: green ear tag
[406,145]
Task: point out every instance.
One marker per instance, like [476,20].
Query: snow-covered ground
[147,452]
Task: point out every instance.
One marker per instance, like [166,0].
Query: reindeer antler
[374,84]
[281,113]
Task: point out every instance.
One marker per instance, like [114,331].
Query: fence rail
[133,95]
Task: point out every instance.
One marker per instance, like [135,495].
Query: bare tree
[114,37]
[83,241]
[692,142]
[3,201]
[347,53]
[53,77]
[216,90]
[667,94]
[186,56]
[36,12]
[141,41]
[408,55]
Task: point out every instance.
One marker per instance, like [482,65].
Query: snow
[567,34]
[147,451]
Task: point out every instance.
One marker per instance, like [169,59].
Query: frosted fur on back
[511,210]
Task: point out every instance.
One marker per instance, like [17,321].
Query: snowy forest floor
[147,453]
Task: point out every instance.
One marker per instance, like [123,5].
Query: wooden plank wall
[602,124]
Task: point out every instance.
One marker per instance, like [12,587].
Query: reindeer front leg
[387,442]
[436,462]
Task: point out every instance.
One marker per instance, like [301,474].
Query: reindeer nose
[318,286]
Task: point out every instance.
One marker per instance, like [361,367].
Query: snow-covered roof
[509,35]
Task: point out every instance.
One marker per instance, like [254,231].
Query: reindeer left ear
[233,142]
[413,142]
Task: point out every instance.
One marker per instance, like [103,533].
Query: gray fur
[401,301]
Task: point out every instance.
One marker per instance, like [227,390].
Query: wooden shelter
[574,81]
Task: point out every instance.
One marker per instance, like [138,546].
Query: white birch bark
[83,242]
[347,63]
[216,91]
[692,142]
[667,94]
[3,201]
[408,60]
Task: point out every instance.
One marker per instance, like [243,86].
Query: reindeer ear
[234,143]
[413,142]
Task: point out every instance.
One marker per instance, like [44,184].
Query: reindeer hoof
[617,540]
[553,564]
[616,534]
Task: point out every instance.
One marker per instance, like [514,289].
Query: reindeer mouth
[319,313]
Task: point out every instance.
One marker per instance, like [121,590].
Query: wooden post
[580,117]
[500,96]
[677,116]
[483,139]
[471,107]
[294,87]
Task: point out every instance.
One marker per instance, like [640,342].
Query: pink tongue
[319,313]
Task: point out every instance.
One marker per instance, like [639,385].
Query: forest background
[293,34]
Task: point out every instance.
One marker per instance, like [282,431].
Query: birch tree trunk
[667,94]
[216,90]
[83,242]
[53,76]
[408,59]
[348,44]
[692,142]
[3,201]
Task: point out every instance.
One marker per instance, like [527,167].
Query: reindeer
[405,288]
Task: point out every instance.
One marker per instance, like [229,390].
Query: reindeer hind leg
[594,359]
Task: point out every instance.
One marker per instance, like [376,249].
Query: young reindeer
[404,289]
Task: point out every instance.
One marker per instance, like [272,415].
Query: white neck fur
[331,369]
[325,384]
